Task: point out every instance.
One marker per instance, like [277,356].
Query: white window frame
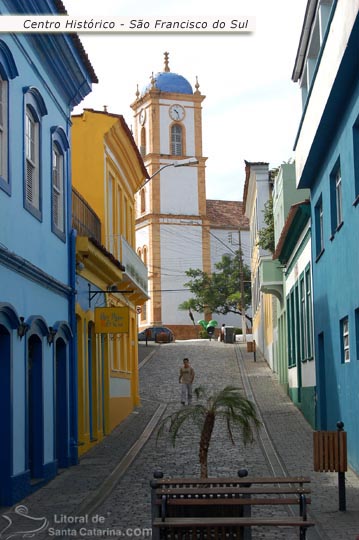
[4,129]
[345,339]
[58,214]
[32,153]
[339,196]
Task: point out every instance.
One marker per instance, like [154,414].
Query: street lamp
[179,163]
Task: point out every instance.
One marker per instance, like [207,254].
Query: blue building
[42,77]
[327,162]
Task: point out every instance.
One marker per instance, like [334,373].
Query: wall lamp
[22,328]
[51,335]
[179,163]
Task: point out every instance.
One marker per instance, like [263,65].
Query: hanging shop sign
[111,320]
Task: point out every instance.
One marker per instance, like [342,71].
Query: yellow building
[107,170]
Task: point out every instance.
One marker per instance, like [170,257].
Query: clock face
[142,117]
[176,112]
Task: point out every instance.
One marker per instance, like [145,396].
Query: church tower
[172,231]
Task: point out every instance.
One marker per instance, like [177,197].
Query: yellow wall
[102,146]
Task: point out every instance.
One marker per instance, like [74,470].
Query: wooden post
[341,472]
[330,455]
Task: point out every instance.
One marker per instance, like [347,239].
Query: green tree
[219,292]
[266,235]
[228,405]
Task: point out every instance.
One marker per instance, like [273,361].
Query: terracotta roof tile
[226,214]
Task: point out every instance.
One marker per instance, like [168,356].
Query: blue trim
[30,271]
[59,135]
[35,99]
[103,383]
[8,69]
[90,329]
[73,367]
[12,318]
[5,183]
[356,158]
[35,408]
[16,488]
[61,431]
[60,141]
[6,401]
[63,330]
[37,325]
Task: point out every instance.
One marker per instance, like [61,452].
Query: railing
[84,219]
[135,268]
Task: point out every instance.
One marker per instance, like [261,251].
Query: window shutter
[29,181]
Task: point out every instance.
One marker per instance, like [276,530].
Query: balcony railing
[84,219]
[135,268]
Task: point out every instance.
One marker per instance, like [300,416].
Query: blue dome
[166,81]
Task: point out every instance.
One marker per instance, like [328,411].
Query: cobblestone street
[112,482]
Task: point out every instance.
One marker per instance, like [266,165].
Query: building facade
[294,328]
[107,169]
[42,77]
[266,276]
[327,162]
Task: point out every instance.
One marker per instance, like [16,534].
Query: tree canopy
[266,235]
[228,404]
[219,292]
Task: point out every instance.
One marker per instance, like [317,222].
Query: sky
[252,107]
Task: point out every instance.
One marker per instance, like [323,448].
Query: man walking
[186,377]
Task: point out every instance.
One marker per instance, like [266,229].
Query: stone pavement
[108,492]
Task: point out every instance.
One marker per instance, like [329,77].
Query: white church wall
[177,240]
[179,191]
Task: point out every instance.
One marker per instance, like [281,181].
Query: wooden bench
[221,508]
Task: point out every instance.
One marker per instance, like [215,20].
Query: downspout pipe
[73,360]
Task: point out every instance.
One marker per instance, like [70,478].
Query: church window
[143,200]
[176,140]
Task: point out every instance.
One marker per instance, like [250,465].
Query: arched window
[8,71]
[35,109]
[176,140]
[143,200]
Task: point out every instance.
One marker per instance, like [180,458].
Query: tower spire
[167,67]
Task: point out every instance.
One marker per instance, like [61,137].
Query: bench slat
[235,480]
[230,490]
[232,502]
[231,522]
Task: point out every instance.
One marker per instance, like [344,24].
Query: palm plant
[227,404]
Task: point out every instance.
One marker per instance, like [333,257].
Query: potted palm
[227,404]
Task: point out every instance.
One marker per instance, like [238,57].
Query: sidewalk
[112,480]
[292,437]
